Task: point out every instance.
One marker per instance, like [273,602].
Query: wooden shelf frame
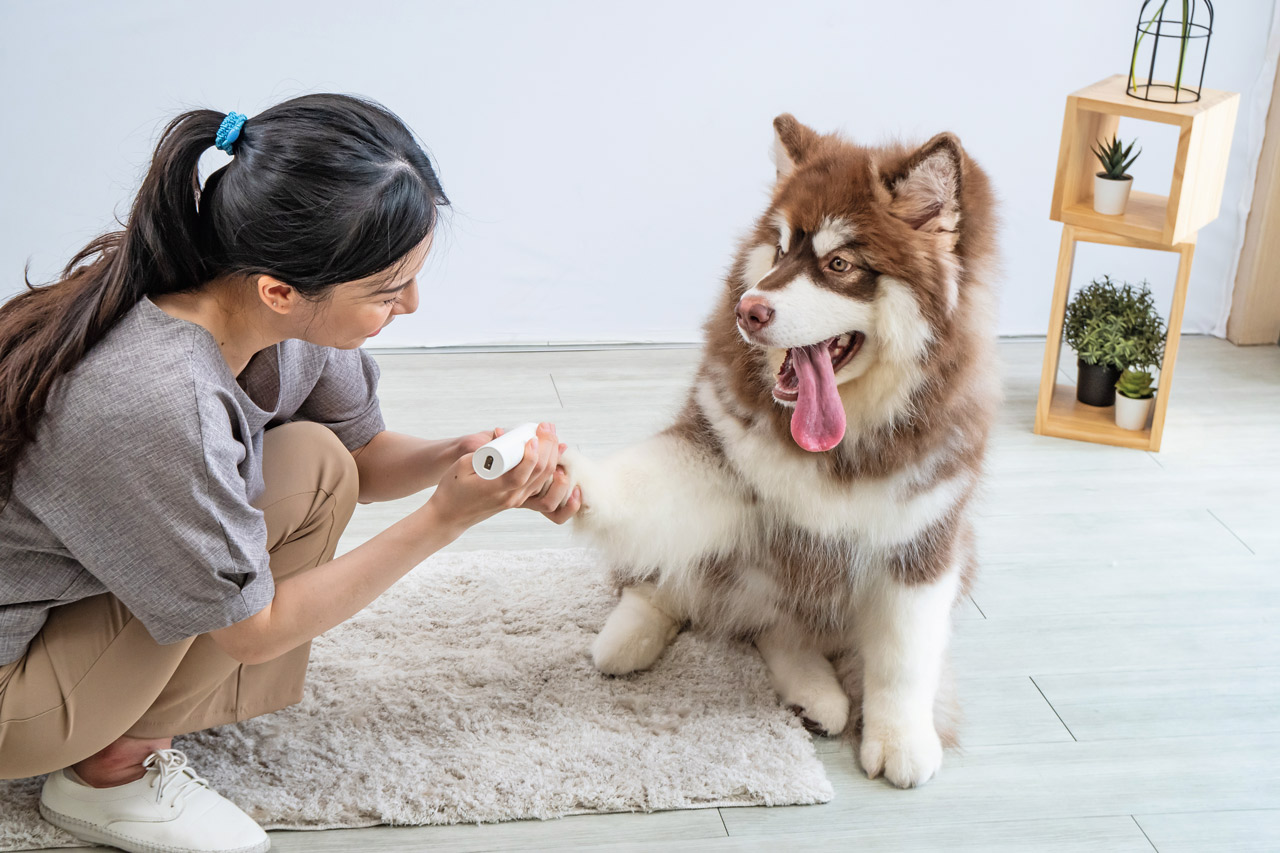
[1058,412]
[1161,223]
[1200,166]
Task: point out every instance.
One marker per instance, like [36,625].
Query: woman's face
[358,310]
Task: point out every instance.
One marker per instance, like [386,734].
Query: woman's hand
[556,502]
[464,498]
[471,443]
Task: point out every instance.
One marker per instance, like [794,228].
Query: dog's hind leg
[636,632]
[805,681]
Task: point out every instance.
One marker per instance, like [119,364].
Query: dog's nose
[754,313]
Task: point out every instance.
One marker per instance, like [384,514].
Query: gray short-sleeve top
[145,466]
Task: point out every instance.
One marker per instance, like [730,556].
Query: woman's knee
[307,454]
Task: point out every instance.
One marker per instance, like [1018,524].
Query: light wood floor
[1119,662]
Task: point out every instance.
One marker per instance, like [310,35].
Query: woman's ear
[276,295]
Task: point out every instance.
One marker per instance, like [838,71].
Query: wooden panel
[1178,213]
[1085,235]
[943,831]
[1116,579]
[1087,779]
[1206,167]
[1109,94]
[1255,301]
[1077,163]
[1165,703]
[1057,316]
[1069,418]
[1221,832]
[1150,532]
[1064,155]
[1172,337]
[1143,219]
[655,830]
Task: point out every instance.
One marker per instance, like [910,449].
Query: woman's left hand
[471,443]
[556,501]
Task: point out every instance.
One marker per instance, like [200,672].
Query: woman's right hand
[464,498]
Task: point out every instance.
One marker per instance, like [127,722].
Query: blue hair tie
[229,131]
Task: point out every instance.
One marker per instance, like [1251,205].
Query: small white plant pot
[1111,195]
[1131,413]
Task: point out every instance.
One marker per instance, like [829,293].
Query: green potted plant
[1091,330]
[1111,327]
[1143,348]
[1111,186]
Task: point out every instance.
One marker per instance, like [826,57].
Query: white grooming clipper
[503,453]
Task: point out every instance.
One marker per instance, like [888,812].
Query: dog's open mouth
[808,379]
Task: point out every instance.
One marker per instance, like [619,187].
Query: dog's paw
[823,712]
[907,754]
[577,468]
[633,637]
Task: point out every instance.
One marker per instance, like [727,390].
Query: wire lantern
[1170,48]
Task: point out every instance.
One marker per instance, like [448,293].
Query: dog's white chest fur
[878,513]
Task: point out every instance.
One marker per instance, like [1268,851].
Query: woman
[186,424]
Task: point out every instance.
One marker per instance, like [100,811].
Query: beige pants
[93,673]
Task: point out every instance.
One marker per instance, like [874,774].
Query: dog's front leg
[660,506]
[657,511]
[903,634]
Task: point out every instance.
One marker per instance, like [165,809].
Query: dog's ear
[791,142]
[925,190]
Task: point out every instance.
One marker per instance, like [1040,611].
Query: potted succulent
[1134,396]
[1111,327]
[1111,186]
[1143,348]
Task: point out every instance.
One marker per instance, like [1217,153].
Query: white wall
[603,157]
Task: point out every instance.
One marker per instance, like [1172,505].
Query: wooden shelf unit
[1199,170]
[1162,223]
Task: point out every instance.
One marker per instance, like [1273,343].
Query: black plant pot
[1096,385]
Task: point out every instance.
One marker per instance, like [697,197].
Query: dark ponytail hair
[322,189]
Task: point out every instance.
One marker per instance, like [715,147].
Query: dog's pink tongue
[817,424]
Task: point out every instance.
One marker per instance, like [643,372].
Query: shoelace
[175,774]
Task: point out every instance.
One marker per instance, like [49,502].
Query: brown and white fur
[843,565]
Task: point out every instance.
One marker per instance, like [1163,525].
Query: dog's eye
[840,265]
[777,253]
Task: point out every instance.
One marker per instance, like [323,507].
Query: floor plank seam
[1232,532]
[1140,740]
[556,388]
[1144,833]
[720,812]
[1055,710]
[1184,812]
[974,601]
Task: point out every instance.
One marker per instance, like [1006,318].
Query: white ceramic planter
[1110,196]
[1131,413]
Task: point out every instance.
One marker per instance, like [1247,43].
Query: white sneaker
[169,810]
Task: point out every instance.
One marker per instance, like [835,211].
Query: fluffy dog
[813,495]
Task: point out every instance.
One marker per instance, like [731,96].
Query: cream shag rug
[466,694]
